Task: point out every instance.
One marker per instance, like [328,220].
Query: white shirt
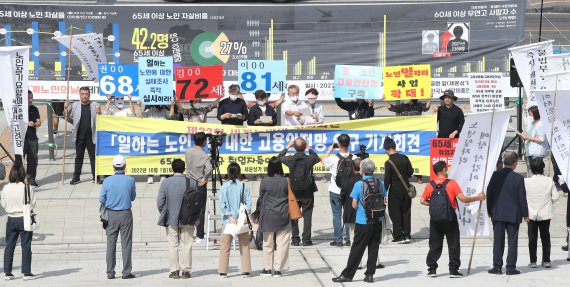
[536,130]
[125,112]
[152,114]
[540,196]
[331,163]
[317,109]
[289,106]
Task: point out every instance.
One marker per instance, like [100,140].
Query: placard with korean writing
[261,75]
[357,82]
[197,83]
[155,80]
[441,149]
[407,82]
[118,80]
[486,92]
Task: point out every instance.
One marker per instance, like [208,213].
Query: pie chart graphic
[200,49]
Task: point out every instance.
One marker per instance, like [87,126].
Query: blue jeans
[15,229]
[336,206]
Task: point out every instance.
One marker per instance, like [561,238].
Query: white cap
[119,161]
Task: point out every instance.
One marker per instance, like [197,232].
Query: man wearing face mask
[118,107]
[361,109]
[261,109]
[232,110]
[292,108]
[316,116]
[450,117]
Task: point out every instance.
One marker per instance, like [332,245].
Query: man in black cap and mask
[450,117]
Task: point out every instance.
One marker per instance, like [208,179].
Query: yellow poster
[407,82]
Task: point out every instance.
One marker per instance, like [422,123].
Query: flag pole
[480,203]
[67,105]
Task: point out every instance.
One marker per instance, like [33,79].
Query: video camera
[215,140]
[363,154]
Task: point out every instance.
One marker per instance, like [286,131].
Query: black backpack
[440,209]
[191,207]
[344,169]
[372,200]
[301,175]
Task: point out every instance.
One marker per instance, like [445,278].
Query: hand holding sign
[196,83]
[268,76]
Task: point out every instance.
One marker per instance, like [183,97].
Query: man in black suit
[506,206]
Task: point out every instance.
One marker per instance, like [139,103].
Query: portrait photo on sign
[459,42]
[430,41]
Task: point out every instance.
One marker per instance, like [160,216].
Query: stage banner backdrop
[470,162]
[150,145]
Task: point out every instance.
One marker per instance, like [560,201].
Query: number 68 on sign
[118,80]
[262,75]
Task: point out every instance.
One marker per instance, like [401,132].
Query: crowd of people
[360,203]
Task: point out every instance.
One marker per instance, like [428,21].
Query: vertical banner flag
[471,160]
[118,80]
[256,75]
[197,83]
[559,71]
[358,82]
[89,49]
[531,62]
[557,113]
[441,149]
[407,82]
[155,80]
[486,92]
[14,93]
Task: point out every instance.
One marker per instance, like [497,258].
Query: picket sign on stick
[67,106]
[484,185]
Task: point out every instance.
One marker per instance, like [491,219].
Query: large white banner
[470,162]
[14,91]
[553,107]
[89,49]
[559,71]
[532,64]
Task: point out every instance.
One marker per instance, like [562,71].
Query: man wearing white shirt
[316,116]
[292,108]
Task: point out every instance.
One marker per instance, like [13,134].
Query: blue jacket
[506,197]
[230,199]
[118,191]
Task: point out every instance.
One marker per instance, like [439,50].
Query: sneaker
[186,275]
[335,244]
[432,274]
[533,265]
[513,272]
[407,240]
[245,274]
[9,276]
[110,275]
[455,274]
[174,275]
[150,180]
[223,275]
[347,243]
[129,276]
[399,240]
[307,243]
[265,272]
[546,265]
[277,274]
[295,242]
[74,181]
[28,276]
[565,248]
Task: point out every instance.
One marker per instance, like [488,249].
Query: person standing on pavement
[399,202]
[31,140]
[540,195]
[13,195]
[232,110]
[274,222]
[507,207]
[169,200]
[534,137]
[199,170]
[444,193]
[83,116]
[450,117]
[117,194]
[361,109]
[303,185]
[332,163]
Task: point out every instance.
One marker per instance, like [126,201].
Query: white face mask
[261,103]
[119,102]
[294,99]
[312,101]
[233,97]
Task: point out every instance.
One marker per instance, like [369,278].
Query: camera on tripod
[215,141]
[363,154]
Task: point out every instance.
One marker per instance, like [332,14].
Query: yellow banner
[407,82]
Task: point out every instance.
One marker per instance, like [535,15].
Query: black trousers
[436,233]
[306,204]
[80,145]
[533,229]
[400,209]
[365,236]
[512,229]
[31,154]
[200,226]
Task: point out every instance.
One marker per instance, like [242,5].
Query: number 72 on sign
[268,76]
[196,83]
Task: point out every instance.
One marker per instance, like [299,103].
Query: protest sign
[532,63]
[197,83]
[155,80]
[486,92]
[441,149]
[118,80]
[358,82]
[14,93]
[256,75]
[89,49]
[473,164]
[149,144]
[407,82]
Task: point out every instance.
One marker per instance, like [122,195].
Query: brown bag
[294,210]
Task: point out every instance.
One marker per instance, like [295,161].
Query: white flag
[470,162]
[14,92]
[559,71]
[532,64]
[89,49]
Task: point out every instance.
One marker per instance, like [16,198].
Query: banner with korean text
[150,145]
[407,82]
[14,92]
[532,63]
[358,82]
[474,162]
[486,92]
[89,49]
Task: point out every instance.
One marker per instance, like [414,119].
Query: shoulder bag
[410,188]
[294,210]
[243,222]
[31,222]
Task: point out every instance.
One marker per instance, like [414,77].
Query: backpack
[301,175]
[440,209]
[191,207]
[344,169]
[373,200]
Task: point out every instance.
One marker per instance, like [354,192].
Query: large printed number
[198,95]
[249,84]
[108,86]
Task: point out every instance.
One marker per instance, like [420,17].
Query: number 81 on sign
[118,80]
[268,76]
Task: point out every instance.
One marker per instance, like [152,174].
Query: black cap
[389,143]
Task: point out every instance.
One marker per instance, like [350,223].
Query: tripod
[215,162]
